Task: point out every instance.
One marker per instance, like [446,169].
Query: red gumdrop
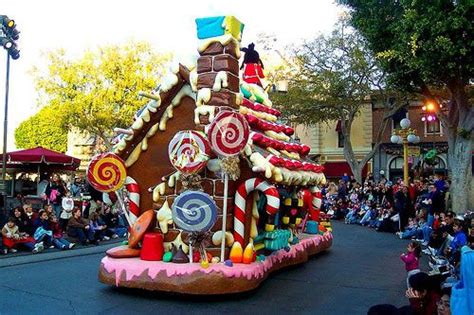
[252,119]
[280,145]
[274,160]
[257,137]
[307,167]
[289,131]
[305,149]
[298,164]
[247,103]
[196,256]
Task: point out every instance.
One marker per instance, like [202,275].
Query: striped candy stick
[252,184]
[134,198]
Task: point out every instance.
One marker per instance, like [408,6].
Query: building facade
[325,140]
[388,160]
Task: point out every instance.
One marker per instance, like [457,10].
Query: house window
[397,118]
[340,140]
[433,127]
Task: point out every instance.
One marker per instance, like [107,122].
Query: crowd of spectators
[417,212]
[59,223]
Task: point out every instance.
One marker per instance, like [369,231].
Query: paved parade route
[361,269]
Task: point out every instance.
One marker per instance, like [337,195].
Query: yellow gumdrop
[236,253]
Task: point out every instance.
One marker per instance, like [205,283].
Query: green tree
[99,91]
[427,47]
[45,128]
[335,77]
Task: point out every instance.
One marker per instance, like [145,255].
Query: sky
[76,26]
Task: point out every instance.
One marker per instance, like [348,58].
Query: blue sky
[167,25]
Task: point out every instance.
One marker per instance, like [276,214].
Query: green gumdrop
[245,92]
[125,242]
[167,257]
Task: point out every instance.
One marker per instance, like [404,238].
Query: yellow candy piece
[205,264]
[236,253]
[232,27]
[248,254]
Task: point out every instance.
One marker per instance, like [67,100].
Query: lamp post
[404,136]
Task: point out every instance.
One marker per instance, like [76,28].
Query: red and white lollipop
[228,133]
[189,151]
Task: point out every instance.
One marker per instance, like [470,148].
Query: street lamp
[8,37]
[404,136]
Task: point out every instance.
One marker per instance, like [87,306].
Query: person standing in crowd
[401,206]
[77,187]
[78,227]
[55,192]
[412,260]
[342,190]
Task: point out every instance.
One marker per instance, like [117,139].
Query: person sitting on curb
[98,227]
[12,238]
[111,219]
[43,232]
[22,221]
[79,227]
[58,240]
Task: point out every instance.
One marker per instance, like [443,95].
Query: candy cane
[273,203]
[134,197]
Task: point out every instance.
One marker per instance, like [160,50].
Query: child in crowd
[58,240]
[12,238]
[411,260]
[43,232]
[98,227]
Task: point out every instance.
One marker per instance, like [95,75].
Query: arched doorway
[438,167]
[395,168]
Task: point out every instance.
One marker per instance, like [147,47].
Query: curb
[56,255]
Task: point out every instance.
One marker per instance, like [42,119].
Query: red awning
[337,169]
[338,126]
[41,155]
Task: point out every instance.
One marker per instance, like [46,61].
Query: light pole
[5,125]
[404,136]
[8,37]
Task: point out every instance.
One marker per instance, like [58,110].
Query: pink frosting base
[134,267]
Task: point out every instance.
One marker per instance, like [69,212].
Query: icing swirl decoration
[194,211]
[228,133]
[106,172]
[189,151]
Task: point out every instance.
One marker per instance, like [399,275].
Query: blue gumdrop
[287,248]
[261,257]
[210,27]
[228,263]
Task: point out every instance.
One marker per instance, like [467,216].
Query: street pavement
[361,269]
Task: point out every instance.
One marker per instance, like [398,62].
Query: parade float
[217,192]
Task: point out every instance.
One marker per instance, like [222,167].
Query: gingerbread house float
[272,195]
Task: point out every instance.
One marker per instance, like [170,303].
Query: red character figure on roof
[252,65]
